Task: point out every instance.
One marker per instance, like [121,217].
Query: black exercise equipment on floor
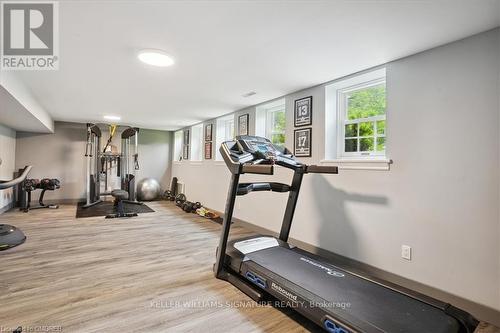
[120,197]
[168,195]
[30,185]
[10,236]
[180,199]
[191,207]
[266,267]
[171,194]
[187,206]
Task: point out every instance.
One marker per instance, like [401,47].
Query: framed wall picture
[185,152]
[208,132]
[243,124]
[186,137]
[208,150]
[302,142]
[303,112]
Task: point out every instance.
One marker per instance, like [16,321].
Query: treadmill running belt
[371,304]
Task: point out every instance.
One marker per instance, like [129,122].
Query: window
[224,132]
[178,146]
[362,115]
[271,121]
[356,117]
[197,142]
[275,125]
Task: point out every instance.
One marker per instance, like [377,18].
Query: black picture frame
[243,124]
[302,112]
[186,137]
[302,149]
[208,150]
[185,152]
[208,132]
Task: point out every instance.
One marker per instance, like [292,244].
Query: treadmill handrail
[13,182]
[261,169]
[245,188]
[322,169]
[285,164]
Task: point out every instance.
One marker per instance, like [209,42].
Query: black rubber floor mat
[106,207]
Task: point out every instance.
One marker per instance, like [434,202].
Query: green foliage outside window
[366,103]
[278,128]
[366,136]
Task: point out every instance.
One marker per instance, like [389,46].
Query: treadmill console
[254,150]
[255,154]
[259,147]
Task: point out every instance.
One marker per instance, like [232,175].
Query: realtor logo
[30,35]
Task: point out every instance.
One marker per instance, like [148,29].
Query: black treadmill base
[335,299]
[257,295]
[264,298]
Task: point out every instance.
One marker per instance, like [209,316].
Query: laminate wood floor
[152,273]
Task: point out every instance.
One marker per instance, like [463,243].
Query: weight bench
[120,196]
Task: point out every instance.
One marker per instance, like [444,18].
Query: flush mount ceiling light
[155,58]
[112,117]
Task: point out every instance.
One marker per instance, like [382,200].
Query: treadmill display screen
[263,148]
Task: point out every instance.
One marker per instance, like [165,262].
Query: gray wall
[155,155]
[61,155]
[441,195]
[7,168]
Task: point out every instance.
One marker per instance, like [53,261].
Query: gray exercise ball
[148,189]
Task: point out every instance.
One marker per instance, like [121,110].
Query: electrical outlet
[406,252]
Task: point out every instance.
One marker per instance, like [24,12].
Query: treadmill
[267,268]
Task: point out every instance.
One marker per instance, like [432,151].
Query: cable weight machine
[130,151]
[101,162]
[92,151]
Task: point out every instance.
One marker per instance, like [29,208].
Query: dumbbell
[180,199]
[187,206]
[190,207]
[169,195]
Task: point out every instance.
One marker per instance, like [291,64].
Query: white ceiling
[225,49]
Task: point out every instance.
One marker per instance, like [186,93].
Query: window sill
[374,164]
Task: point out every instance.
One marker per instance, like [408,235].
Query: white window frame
[229,129]
[197,147]
[223,126]
[342,121]
[335,115]
[178,143]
